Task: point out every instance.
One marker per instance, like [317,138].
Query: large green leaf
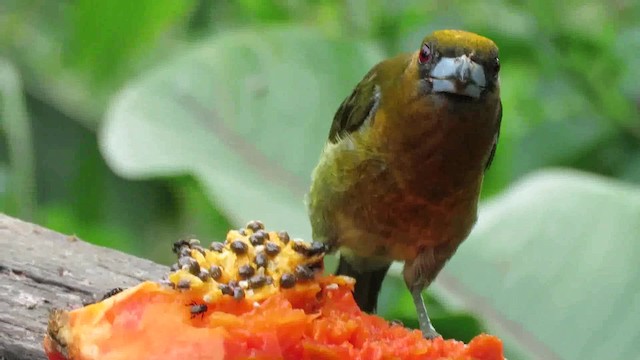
[247,113]
[74,54]
[553,266]
[102,40]
[15,126]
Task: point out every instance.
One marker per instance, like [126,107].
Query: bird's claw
[430,334]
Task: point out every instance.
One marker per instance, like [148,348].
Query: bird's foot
[428,331]
[430,334]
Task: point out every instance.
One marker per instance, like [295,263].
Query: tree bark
[41,270]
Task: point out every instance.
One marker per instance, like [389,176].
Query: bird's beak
[459,75]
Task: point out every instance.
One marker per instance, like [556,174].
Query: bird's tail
[368,284]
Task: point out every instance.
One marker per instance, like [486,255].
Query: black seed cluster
[204,275]
[184,243]
[225,289]
[284,237]
[258,237]
[178,245]
[215,271]
[309,250]
[217,247]
[246,271]
[316,248]
[252,240]
[316,265]
[239,247]
[259,281]
[185,251]
[190,264]
[255,225]
[238,293]
[261,260]
[184,284]
[271,248]
[287,281]
[304,272]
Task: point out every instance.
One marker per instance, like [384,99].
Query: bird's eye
[496,66]
[425,54]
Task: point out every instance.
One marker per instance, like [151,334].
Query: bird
[400,175]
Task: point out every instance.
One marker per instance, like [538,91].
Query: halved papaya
[258,295]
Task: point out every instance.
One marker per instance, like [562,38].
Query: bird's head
[458,64]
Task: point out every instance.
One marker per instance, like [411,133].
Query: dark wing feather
[495,144]
[356,109]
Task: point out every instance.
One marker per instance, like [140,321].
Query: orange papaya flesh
[313,317]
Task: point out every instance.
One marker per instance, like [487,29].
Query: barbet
[400,176]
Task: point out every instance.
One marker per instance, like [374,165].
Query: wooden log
[41,269]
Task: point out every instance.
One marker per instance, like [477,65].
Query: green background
[134,123]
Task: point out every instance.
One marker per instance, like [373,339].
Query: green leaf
[15,124]
[247,113]
[553,266]
[102,40]
[629,43]
[539,147]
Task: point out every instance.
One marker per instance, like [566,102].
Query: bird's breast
[424,191]
[438,147]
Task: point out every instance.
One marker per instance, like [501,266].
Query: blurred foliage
[557,254]
[132,124]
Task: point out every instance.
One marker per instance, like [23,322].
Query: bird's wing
[495,143]
[357,109]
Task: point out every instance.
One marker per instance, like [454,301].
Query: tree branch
[41,269]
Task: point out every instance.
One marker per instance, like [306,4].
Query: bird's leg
[428,331]
[418,274]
